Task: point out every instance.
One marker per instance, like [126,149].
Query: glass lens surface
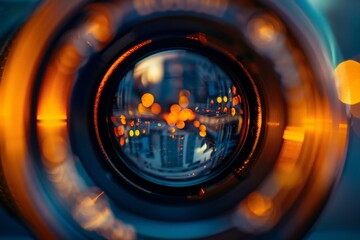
[176,116]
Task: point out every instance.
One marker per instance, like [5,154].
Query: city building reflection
[177,115]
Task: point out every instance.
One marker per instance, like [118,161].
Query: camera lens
[170,120]
[176,116]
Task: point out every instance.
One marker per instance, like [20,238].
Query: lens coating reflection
[176,116]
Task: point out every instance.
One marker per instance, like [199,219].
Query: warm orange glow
[147,99]
[264,30]
[156,109]
[54,96]
[183,101]
[123,119]
[68,59]
[259,204]
[294,133]
[233,111]
[53,145]
[347,75]
[120,130]
[202,133]
[233,90]
[132,123]
[142,109]
[171,118]
[202,127]
[175,108]
[273,124]
[211,102]
[184,115]
[172,130]
[99,27]
[190,114]
[180,124]
[196,123]
[122,141]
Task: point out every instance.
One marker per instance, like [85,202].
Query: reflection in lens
[176,116]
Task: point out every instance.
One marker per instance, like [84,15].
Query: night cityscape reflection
[176,116]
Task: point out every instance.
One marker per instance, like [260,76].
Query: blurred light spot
[147,99]
[142,109]
[54,148]
[131,133]
[294,133]
[123,119]
[180,124]
[156,109]
[233,90]
[183,101]
[219,100]
[202,128]
[264,31]
[196,123]
[137,132]
[175,108]
[347,75]
[225,99]
[258,204]
[202,133]
[122,141]
[184,115]
[185,93]
[68,58]
[273,124]
[99,27]
[202,192]
[233,111]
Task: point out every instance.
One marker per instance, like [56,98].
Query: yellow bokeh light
[225,99]
[202,133]
[347,75]
[219,100]
[137,132]
[131,133]
[147,99]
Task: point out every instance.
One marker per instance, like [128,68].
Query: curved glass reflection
[176,116]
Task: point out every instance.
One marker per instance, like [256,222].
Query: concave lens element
[176,116]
